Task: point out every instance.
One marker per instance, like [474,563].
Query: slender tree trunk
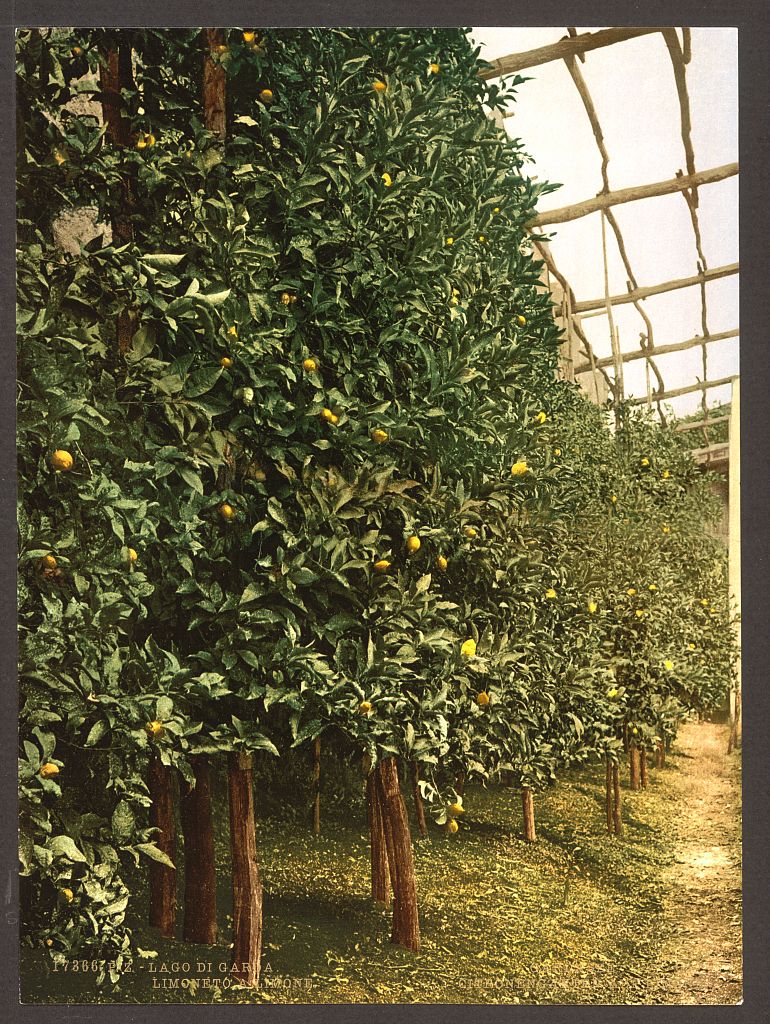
[247,889]
[643,767]
[660,756]
[406,927]
[608,796]
[317,786]
[162,878]
[528,813]
[617,819]
[116,73]
[200,877]
[379,853]
[460,783]
[418,802]
[625,737]
[214,85]
[633,765]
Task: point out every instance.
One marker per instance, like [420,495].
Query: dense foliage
[341,348]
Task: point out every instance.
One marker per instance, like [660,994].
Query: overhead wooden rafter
[563,48]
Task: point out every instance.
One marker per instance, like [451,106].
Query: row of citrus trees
[294,461]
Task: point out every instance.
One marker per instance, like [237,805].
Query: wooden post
[317,786]
[200,877]
[734,554]
[608,795]
[214,85]
[406,926]
[378,851]
[419,806]
[162,878]
[660,754]
[116,73]
[643,767]
[617,819]
[633,765]
[247,888]
[528,814]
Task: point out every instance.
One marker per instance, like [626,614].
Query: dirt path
[700,926]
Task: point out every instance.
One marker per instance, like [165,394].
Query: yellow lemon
[452,826]
[614,499]
[704,601]
[691,647]
[285,298]
[635,731]
[334,419]
[48,770]
[645,462]
[154,729]
[468,648]
[150,139]
[141,142]
[68,894]
[441,563]
[449,241]
[77,51]
[519,468]
[665,474]
[520,320]
[456,808]
[413,545]
[612,692]
[227,512]
[387,180]
[48,562]
[59,157]
[309,365]
[592,606]
[482,238]
[550,594]
[469,531]
[327,414]
[131,555]
[434,69]
[482,699]
[249,37]
[639,613]
[379,86]
[379,436]
[652,587]
[665,529]
[668,665]
[364,707]
[266,95]
[225,362]
[382,566]
[557,452]
[62,461]
[631,591]
[233,331]
[541,417]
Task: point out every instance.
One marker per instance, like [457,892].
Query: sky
[634,93]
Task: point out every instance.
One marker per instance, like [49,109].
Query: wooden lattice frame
[569,49]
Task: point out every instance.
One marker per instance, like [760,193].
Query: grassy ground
[578,917]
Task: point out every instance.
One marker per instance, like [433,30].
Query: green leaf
[151,850]
[64,846]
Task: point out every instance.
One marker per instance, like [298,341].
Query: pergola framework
[570,49]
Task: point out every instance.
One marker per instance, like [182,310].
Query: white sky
[634,93]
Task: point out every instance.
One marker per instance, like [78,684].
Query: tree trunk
[643,767]
[406,927]
[617,819]
[633,766]
[460,783]
[608,796]
[162,878]
[214,86]
[528,813]
[418,803]
[379,853]
[317,786]
[660,754]
[200,877]
[116,73]
[247,889]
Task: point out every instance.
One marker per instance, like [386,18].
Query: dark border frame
[753,22]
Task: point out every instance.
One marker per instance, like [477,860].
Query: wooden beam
[662,350]
[701,386]
[658,289]
[710,421]
[629,195]
[717,452]
[568,47]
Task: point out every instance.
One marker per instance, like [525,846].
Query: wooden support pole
[568,47]
[247,888]
[162,878]
[605,200]
[214,85]
[690,389]
[200,876]
[395,822]
[734,555]
[419,806]
[608,796]
[658,289]
[617,819]
[633,766]
[662,350]
[317,786]
[643,767]
[711,421]
[378,850]
[528,814]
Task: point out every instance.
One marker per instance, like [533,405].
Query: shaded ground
[578,917]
